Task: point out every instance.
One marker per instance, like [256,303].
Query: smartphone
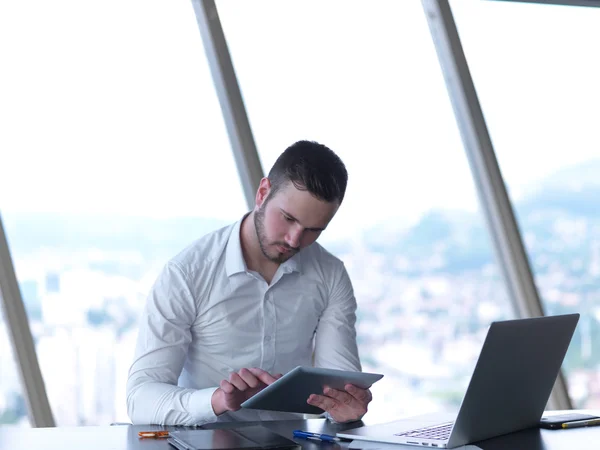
[556,422]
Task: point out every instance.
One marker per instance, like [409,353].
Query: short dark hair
[311,167]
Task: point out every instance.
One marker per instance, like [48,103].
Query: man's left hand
[343,406]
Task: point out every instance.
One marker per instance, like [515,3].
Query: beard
[259,225]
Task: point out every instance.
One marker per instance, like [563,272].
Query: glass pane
[13,409]
[538,86]
[114,158]
[409,231]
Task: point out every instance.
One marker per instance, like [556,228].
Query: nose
[293,237]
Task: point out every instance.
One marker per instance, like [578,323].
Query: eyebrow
[296,220]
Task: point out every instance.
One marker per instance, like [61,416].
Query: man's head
[298,199]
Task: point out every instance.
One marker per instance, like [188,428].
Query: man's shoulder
[326,268]
[319,255]
[204,250]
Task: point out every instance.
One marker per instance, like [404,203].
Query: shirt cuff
[331,419]
[200,406]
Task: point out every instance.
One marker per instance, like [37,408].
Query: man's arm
[336,347]
[153,396]
[335,338]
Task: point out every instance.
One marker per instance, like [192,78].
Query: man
[251,300]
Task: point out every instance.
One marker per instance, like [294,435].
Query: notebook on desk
[248,438]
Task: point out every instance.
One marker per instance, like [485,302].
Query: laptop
[510,386]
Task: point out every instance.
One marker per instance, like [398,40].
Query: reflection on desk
[125,437]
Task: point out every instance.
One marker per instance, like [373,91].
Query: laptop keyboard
[438,432]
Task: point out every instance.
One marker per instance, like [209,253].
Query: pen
[581,423]
[153,434]
[315,436]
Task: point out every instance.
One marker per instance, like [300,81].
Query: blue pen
[315,436]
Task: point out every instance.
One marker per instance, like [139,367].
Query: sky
[109,106]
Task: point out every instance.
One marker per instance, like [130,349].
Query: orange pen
[153,434]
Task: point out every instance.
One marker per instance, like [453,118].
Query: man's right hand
[240,387]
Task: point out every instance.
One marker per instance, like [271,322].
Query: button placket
[269,330]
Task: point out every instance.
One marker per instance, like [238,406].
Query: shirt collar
[294,264]
[234,258]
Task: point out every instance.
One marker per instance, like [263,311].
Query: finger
[237,381]
[249,378]
[278,376]
[263,375]
[362,395]
[226,386]
[342,397]
[323,402]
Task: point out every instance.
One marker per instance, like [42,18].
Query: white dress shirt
[208,315]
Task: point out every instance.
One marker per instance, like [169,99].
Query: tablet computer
[291,391]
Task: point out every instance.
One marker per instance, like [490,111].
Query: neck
[253,255]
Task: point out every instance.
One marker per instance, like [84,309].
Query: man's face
[290,221]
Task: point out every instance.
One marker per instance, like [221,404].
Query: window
[114,157]
[13,409]
[536,73]
[365,81]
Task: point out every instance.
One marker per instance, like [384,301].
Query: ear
[263,191]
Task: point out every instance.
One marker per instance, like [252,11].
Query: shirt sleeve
[335,337]
[153,396]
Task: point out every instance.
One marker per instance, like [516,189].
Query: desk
[124,437]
